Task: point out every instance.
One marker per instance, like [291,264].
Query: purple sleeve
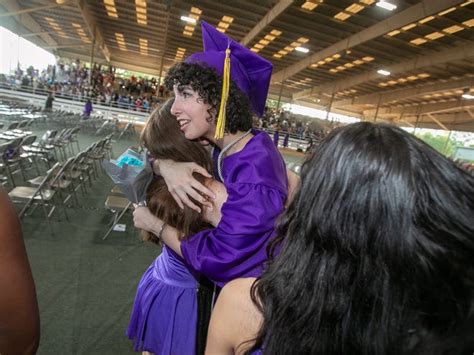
[237,246]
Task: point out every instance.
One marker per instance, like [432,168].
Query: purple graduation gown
[257,187]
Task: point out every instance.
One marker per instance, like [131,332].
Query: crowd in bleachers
[103,85]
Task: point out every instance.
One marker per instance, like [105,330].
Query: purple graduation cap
[250,72]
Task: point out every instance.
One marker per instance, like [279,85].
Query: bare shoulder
[245,314]
[237,292]
[235,320]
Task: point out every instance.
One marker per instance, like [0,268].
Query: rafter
[422,61]
[274,12]
[423,9]
[404,93]
[93,28]
[28,22]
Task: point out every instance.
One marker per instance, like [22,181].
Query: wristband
[161,231]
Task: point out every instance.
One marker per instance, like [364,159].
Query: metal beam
[28,10]
[152,69]
[414,13]
[28,22]
[94,30]
[274,12]
[437,122]
[425,109]
[410,92]
[448,55]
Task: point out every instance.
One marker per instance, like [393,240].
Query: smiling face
[192,114]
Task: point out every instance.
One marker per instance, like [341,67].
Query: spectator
[376,256]
[87,110]
[19,317]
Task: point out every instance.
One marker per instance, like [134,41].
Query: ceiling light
[434,35]
[393,33]
[196,10]
[302,49]
[418,41]
[309,5]
[354,8]
[383,72]
[469,23]
[453,29]
[336,56]
[275,32]
[342,16]
[188,19]
[386,5]
[426,19]
[442,13]
[467,94]
[409,27]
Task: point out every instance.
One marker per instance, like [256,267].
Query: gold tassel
[220,125]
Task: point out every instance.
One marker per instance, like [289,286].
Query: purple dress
[164,316]
[257,187]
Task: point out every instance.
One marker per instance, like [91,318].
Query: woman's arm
[144,219]
[181,183]
[19,318]
[235,321]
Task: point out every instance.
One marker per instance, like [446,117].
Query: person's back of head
[164,140]
[377,250]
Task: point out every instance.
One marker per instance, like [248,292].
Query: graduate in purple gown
[215,110]
[249,165]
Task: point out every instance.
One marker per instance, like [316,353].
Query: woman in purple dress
[164,316]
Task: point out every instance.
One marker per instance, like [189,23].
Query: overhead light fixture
[467,95]
[383,72]
[386,5]
[302,49]
[188,19]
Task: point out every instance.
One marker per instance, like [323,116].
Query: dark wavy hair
[376,251]
[208,84]
[164,140]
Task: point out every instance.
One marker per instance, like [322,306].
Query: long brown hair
[164,140]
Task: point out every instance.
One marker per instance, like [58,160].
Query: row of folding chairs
[20,153]
[58,188]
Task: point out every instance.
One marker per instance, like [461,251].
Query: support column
[92,59]
[446,143]
[330,107]
[377,108]
[279,95]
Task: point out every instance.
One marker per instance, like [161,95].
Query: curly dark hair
[208,84]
